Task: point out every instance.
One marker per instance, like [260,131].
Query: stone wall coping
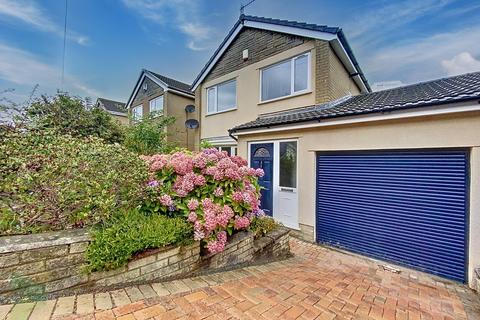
[41,240]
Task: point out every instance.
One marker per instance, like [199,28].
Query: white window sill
[218,112]
[286,97]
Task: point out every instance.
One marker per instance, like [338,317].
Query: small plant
[260,226]
[131,232]
[217,193]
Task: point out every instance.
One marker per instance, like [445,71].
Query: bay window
[286,78]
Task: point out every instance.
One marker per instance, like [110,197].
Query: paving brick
[42,309]
[120,297]
[147,291]
[103,301]
[160,289]
[64,306]
[134,293]
[21,311]
[4,310]
[85,304]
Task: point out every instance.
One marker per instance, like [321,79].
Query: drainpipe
[232,136]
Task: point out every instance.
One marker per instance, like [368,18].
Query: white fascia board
[217,141]
[181,93]
[118,113]
[348,63]
[291,30]
[403,114]
[219,54]
[144,74]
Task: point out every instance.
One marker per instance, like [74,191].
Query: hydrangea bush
[217,193]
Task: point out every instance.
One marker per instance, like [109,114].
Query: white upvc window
[222,97]
[137,113]
[287,78]
[231,150]
[156,106]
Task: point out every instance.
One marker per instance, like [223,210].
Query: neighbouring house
[116,109]
[393,175]
[156,94]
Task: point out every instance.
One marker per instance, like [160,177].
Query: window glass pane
[211,100]
[156,105]
[137,112]
[301,73]
[227,95]
[227,149]
[276,81]
[288,164]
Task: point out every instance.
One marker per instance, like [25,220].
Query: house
[393,175]
[116,109]
[155,94]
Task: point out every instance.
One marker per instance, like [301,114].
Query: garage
[404,207]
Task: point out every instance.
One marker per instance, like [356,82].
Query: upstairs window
[137,113]
[156,106]
[222,97]
[286,78]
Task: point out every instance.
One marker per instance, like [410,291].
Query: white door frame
[276,172]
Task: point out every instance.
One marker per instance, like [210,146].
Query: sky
[110,41]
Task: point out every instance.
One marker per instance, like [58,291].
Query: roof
[436,92]
[113,106]
[172,83]
[165,82]
[244,19]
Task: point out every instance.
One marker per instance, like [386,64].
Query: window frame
[293,93]
[215,88]
[140,106]
[157,113]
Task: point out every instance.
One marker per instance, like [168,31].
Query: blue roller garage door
[408,208]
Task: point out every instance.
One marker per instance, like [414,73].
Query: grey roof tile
[441,91]
[111,105]
[172,83]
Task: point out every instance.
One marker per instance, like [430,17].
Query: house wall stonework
[447,131]
[261,44]
[41,266]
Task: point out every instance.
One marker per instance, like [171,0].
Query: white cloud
[384,85]
[379,21]
[461,63]
[182,14]
[28,12]
[20,67]
[422,58]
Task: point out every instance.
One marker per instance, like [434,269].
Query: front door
[261,156]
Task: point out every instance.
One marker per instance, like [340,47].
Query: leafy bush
[52,182]
[217,193]
[260,226]
[70,115]
[131,232]
[149,135]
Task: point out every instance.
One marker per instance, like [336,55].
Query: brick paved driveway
[317,284]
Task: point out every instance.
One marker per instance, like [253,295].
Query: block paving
[318,283]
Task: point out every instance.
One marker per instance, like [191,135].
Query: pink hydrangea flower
[192,216]
[218,244]
[200,180]
[237,196]
[166,200]
[241,222]
[218,192]
[192,204]
[259,172]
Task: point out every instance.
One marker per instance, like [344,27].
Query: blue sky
[109,41]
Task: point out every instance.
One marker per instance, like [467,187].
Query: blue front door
[261,156]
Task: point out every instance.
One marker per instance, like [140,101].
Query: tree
[69,115]
[149,135]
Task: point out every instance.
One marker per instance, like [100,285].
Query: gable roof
[112,106]
[436,92]
[168,84]
[334,35]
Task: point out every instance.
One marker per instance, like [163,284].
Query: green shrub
[132,232]
[260,226]
[53,182]
[149,135]
[70,115]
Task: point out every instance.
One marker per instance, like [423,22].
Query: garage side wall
[448,131]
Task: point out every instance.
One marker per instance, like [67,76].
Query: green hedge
[53,182]
[132,232]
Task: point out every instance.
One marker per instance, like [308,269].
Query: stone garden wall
[34,267]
